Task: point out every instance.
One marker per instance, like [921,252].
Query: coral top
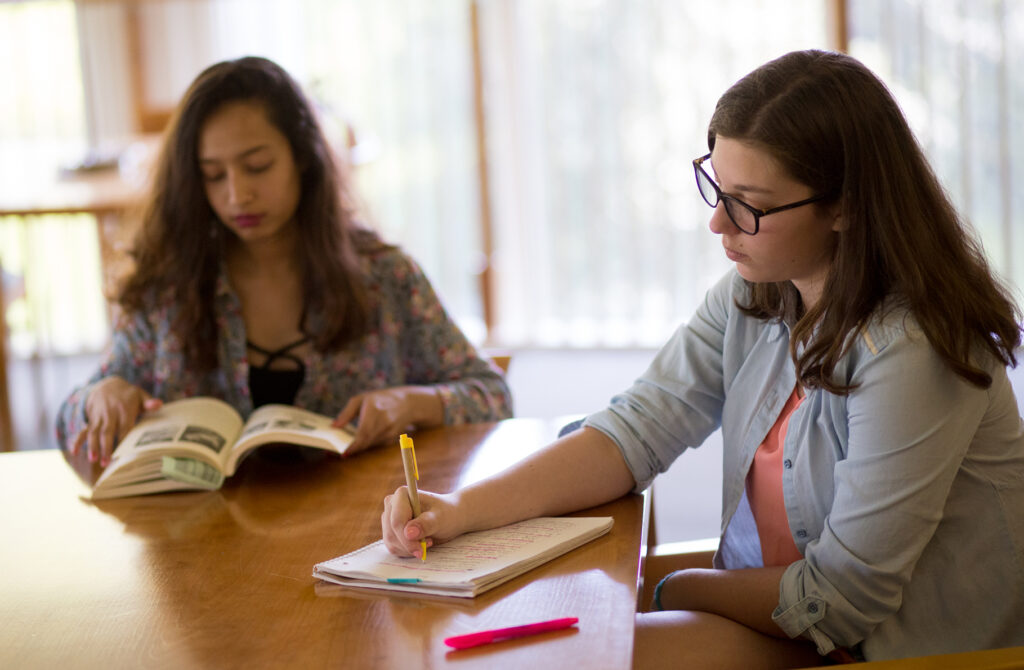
[764,491]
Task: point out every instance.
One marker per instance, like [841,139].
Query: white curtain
[957,68]
[51,273]
[595,111]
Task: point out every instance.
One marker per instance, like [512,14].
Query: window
[957,68]
[595,110]
[592,111]
[50,263]
[400,73]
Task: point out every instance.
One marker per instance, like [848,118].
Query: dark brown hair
[180,245]
[834,126]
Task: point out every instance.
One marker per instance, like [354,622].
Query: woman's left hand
[385,414]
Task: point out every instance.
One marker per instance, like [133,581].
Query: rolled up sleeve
[677,402]
[130,355]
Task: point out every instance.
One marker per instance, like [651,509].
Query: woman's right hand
[112,409]
[439,521]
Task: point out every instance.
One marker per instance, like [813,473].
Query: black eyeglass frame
[756,211]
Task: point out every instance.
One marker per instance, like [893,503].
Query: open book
[468,565]
[197,442]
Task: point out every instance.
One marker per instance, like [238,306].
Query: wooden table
[223,579]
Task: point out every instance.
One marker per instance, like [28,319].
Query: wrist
[473,509]
[686,590]
[657,605]
[464,521]
[428,411]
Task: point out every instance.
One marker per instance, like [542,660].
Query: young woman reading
[255,283]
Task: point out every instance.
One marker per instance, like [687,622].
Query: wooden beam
[148,119]
[837,18]
[486,224]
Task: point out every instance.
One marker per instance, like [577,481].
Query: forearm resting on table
[578,471]
[746,596]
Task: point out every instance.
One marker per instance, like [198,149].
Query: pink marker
[498,634]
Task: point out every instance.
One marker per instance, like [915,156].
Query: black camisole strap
[282,386]
[283,352]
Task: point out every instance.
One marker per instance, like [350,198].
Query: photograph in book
[467,565]
[197,442]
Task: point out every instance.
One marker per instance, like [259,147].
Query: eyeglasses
[745,217]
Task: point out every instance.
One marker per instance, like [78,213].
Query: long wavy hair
[179,248]
[834,126]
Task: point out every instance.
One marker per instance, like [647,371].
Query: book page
[200,428]
[290,425]
[468,562]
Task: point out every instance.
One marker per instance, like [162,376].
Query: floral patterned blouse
[412,340]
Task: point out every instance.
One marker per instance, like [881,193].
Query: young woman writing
[855,360]
[255,283]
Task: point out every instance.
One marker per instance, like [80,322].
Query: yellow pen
[412,473]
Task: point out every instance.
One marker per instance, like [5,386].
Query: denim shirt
[905,497]
[411,340]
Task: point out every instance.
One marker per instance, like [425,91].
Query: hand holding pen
[412,474]
[437,518]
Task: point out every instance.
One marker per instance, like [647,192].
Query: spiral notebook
[468,565]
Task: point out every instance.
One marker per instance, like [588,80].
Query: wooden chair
[986,659]
[501,359]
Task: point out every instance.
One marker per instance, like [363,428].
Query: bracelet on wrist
[657,593]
